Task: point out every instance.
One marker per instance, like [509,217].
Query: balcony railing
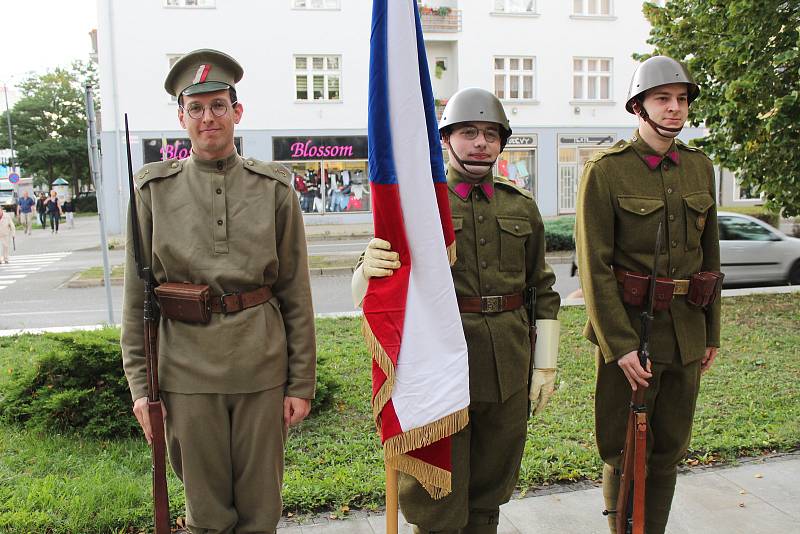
[441,19]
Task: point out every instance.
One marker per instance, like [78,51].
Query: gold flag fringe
[451,253]
[436,481]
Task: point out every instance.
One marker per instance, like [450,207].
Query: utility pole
[10,131]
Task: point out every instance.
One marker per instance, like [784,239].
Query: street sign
[13,178]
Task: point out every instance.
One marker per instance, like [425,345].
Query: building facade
[560,67]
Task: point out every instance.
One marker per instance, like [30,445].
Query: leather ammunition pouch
[636,285]
[185,302]
[704,288]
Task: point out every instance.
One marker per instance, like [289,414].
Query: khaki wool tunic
[234,224]
[620,204]
[500,248]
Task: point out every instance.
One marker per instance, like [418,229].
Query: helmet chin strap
[463,163]
[641,112]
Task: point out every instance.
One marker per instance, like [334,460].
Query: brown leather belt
[493,304]
[681,286]
[235,301]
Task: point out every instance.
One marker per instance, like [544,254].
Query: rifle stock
[161,518]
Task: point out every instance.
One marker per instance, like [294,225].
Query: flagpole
[391,500]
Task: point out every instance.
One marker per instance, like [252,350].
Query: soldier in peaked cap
[500,252]
[625,192]
[233,385]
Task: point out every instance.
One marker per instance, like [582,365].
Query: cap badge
[202,73]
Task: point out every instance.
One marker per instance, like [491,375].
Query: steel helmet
[659,70]
[475,104]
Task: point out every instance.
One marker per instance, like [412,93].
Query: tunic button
[480,218]
[516,227]
[250,162]
[674,270]
[671,217]
[669,190]
[483,264]
[148,170]
[666,167]
[174,165]
[219,222]
[641,209]
[482,241]
[674,244]
[220,165]
[219,191]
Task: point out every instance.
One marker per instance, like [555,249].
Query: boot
[482,522]
[610,493]
[417,530]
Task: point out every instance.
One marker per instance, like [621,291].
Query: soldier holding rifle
[223,237]
[626,192]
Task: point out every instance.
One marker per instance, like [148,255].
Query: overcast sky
[39,35]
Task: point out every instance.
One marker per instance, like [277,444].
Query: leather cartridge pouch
[634,288]
[704,288]
[185,302]
[662,297]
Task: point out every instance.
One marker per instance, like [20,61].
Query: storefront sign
[593,139]
[521,141]
[181,148]
[310,148]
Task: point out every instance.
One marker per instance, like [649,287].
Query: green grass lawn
[749,403]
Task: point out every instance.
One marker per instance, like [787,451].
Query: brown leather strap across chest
[492,304]
[235,301]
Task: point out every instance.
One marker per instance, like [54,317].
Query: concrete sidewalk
[759,496]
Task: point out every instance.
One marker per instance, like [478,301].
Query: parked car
[752,251]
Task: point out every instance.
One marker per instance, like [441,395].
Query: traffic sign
[13,178]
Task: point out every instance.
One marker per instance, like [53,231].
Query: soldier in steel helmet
[232,386]
[625,192]
[500,252]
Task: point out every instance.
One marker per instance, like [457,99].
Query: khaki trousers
[26,219]
[228,452]
[486,458]
[671,399]
[5,247]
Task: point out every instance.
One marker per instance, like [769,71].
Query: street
[33,292]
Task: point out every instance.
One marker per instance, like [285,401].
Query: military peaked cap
[203,71]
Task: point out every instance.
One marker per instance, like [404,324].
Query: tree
[745,55]
[50,125]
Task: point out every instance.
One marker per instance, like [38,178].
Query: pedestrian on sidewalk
[7,232]
[41,209]
[626,192]
[69,211]
[25,212]
[53,207]
[249,372]
[500,253]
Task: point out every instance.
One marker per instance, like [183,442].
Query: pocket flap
[458,223]
[515,226]
[640,205]
[699,202]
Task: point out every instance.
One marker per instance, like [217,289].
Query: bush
[86,203]
[759,212]
[559,233]
[77,385]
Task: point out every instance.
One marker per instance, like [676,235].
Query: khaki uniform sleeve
[711,262]
[293,290]
[594,232]
[539,274]
[132,334]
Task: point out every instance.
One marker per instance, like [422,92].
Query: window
[316,4]
[740,229]
[171,59]
[318,78]
[515,6]
[190,3]
[591,78]
[744,193]
[513,78]
[591,8]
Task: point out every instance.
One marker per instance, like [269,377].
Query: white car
[752,251]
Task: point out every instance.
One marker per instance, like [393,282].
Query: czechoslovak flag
[420,375]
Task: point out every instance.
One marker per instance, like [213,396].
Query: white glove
[379,260]
[543,384]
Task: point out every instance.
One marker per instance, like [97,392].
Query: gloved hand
[543,384]
[379,259]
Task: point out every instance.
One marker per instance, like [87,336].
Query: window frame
[506,12]
[520,73]
[585,74]
[181,4]
[584,13]
[309,7]
[310,72]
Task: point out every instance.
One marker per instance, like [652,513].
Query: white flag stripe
[432,378]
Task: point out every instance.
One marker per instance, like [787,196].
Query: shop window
[318,78]
[346,186]
[592,8]
[316,4]
[190,3]
[591,78]
[514,78]
[518,166]
[515,6]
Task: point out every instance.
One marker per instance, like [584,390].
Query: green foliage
[559,234]
[745,55]
[86,203]
[77,385]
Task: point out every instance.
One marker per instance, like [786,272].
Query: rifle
[530,305]
[631,497]
[151,318]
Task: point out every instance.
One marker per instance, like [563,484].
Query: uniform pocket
[638,222]
[514,232]
[697,206]
[458,227]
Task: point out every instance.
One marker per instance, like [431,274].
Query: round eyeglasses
[196,110]
[471,132]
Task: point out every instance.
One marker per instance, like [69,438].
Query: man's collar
[462,188]
[650,157]
[217,164]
